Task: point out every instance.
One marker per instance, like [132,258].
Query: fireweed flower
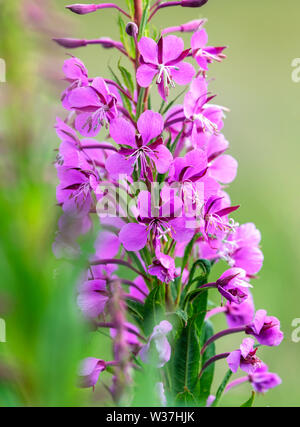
[215,216]
[221,167]
[164,61]
[142,151]
[163,267]
[95,106]
[204,117]
[232,285]
[159,339]
[244,358]
[266,329]
[203,54]
[160,222]
[77,75]
[158,185]
[262,380]
[90,370]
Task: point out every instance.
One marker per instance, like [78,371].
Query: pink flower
[241,249]
[163,267]
[233,285]
[92,297]
[245,358]
[150,126]
[266,329]
[90,370]
[216,217]
[240,314]
[157,221]
[262,380]
[95,106]
[76,74]
[203,54]
[204,117]
[164,60]
[163,348]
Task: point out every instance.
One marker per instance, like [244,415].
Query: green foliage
[143,27]
[222,387]
[154,308]
[249,403]
[127,41]
[208,375]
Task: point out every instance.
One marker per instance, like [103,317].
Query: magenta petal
[83,97]
[74,69]
[180,231]
[247,347]
[86,125]
[234,360]
[224,169]
[122,132]
[145,75]
[90,371]
[162,158]
[199,39]
[172,47]
[185,73]
[116,164]
[107,245]
[148,50]
[150,125]
[133,236]
[249,258]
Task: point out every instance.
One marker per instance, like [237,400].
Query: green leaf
[130,5]
[185,399]
[199,306]
[143,25]
[249,402]
[153,308]
[208,375]
[127,41]
[173,146]
[139,106]
[124,98]
[136,310]
[127,78]
[170,104]
[183,316]
[185,360]
[222,387]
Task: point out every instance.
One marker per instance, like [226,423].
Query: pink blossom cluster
[167,236]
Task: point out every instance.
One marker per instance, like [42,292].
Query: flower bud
[82,9]
[70,43]
[132,29]
[193,3]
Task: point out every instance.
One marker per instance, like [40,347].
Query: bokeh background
[46,336]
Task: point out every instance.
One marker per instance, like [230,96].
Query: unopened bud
[193,3]
[82,9]
[70,43]
[132,29]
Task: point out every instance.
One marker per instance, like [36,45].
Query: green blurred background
[46,337]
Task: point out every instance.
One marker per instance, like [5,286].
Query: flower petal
[133,236]
[150,125]
[122,132]
[148,50]
[145,75]
[184,74]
